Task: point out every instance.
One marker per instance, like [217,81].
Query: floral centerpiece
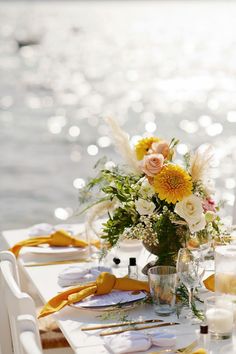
[165,204]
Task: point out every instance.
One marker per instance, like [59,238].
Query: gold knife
[128,323]
[108,333]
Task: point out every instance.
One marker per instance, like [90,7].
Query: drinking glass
[225,269]
[163,282]
[219,313]
[190,268]
[93,237]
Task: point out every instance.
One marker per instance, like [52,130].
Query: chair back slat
[5,330]
[17,303]
[28,335]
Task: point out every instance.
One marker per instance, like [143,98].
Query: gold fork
[185,350]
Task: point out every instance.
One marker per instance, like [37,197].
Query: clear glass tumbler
[163,283]
[225,269]
[219,314]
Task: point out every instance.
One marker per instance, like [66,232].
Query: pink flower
[209,205]
[152,164]
[161,148]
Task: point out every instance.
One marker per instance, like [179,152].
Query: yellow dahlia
[143,145]
[172,184]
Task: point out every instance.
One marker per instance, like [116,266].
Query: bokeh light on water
[159,67]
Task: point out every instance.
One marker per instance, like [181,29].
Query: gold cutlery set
[111,325]
[151,324]
[108,333]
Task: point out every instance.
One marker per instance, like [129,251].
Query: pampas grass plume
[121,141]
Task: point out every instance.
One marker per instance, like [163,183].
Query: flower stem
[191,297]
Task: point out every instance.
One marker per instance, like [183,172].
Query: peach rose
[161,148]
[152,164]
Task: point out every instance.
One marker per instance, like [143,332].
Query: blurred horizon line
[24,1]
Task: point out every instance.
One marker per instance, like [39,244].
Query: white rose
[144,207]
[190,208]
[198,225]
[146,190]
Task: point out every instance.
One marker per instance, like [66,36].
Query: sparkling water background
[160,67]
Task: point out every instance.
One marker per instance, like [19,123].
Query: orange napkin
[210,282]
[104,284]
[59,238]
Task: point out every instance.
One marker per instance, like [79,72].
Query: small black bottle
[132,269]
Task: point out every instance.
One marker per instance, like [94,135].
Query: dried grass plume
[200,162]
[121,141]
[97,211]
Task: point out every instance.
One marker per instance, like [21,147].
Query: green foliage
[169,241]
[122,187]
[119,186]
[183,297]
[115,226]
[107,185]
[187,157]
[117,316]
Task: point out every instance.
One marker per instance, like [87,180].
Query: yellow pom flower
[143,145]
[172,184]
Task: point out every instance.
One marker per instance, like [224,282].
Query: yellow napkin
[104,284]
[59,238]
[210,282]
[200,351]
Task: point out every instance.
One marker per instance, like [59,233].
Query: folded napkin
[200,351]
[133,341]
[73,275]
[210,282]
[104,284]
[59,238]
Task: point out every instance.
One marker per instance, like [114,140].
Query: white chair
[5,331]
[28,335]
[14,304]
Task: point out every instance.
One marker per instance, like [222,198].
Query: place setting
[45,244]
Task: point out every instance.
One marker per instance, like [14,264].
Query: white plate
[115,298]
[185,335]
[46,249]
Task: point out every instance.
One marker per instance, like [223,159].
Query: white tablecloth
[44,280]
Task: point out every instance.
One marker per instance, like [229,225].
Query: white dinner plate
[185,335]
[46,249]
[114,299]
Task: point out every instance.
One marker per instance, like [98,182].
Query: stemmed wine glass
[190,268]
[93,237]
